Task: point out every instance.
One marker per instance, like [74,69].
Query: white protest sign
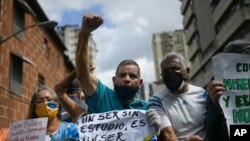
[123,125]
[233,70]
[28,130]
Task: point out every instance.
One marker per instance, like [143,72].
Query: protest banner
[234,71]
[123,125]
[28,130]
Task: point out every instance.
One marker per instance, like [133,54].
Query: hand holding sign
[228,68]
[32,129]
[123,125]
[215,90]
[154,119]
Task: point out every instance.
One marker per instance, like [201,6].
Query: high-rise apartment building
[209,25]
[69,35]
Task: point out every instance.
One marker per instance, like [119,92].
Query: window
[41,81]
[16,74]
[46,48]
[235,6]
[214,4]
[18,21]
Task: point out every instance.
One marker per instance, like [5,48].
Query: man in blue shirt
[99,97]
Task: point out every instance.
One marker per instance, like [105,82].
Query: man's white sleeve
[156,103]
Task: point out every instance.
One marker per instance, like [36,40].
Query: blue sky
[72,16]
[126,32]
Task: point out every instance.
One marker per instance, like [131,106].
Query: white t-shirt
[47,138]
[184,112]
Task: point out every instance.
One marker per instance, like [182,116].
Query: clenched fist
[91,22]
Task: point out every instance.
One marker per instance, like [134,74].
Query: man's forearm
[167,134]
[88,82]
[67,80]
[60,87]
[71,107]
[82,56]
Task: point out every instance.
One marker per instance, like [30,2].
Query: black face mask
[125,93]
[173,80]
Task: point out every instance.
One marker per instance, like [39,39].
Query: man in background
[215,121]
[75,93]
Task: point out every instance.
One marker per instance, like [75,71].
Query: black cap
[73,87]
[237,46]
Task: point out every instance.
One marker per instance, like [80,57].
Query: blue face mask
[125,93]
[79,102]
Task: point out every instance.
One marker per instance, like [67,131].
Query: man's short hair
[237,46]
[73,87]
[127,62]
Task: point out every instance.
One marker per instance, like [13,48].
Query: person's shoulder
[161,93]
[70,129]
[142,104]
[103,89]
[143,101]
[102,86]
[69,124]
[158,96]
[194,88]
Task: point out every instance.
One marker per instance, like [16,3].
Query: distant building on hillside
[69,35]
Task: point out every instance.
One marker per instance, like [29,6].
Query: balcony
[195,67]
[193,49]
[232,25]
[184,5]
[208,74]
[191,31]
[220,10]
[198,79]
[188,16]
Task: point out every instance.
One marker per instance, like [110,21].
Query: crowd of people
[180,111]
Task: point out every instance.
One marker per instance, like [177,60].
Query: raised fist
[91,22]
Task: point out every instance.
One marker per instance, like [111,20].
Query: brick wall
[50,64]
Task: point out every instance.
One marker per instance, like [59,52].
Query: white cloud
[147,70]
[55,8]
[130,36]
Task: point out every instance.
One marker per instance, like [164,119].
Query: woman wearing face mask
[44,103]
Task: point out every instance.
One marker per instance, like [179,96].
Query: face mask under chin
[174,80]
[125,93]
